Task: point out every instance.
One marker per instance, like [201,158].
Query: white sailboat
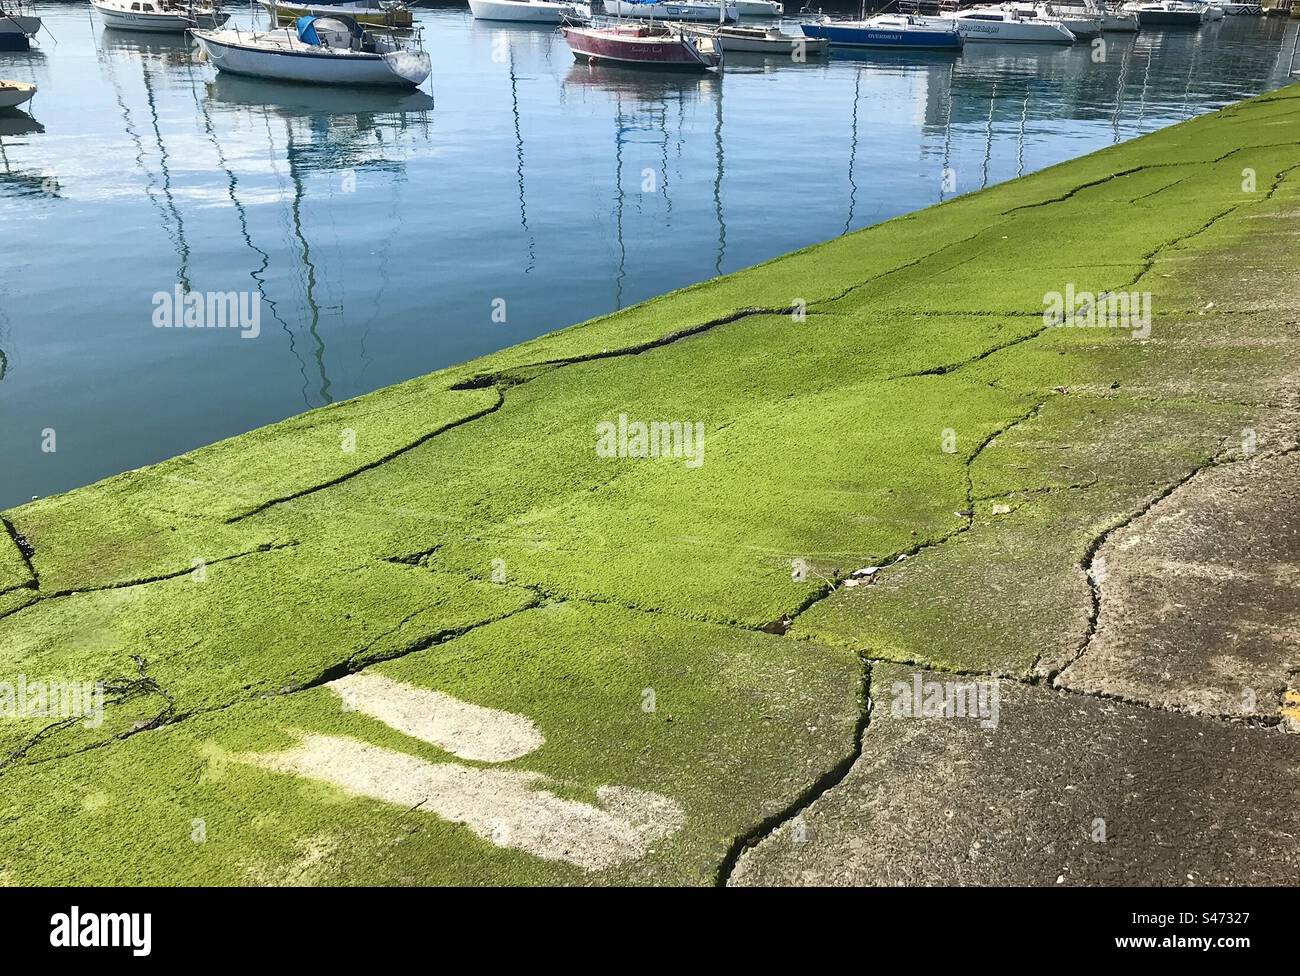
[998,24]
[1077,20]
[701,10]
[321,51]
[529,11]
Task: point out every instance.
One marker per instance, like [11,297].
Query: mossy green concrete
[475,537]
[738,717]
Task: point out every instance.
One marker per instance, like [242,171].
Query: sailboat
[1006,26]
[529,11]
[700,10]
[647,44]
[888,31]
[319,50]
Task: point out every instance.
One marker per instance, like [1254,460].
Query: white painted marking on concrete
[465,730]
[509,808]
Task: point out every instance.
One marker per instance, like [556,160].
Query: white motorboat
[1166,13]
[700,10]
[15,93]
[1006,27]
[16,27]
[761,40]
[758,8]
[319,51]
[529,11]
[378,13]
[1213,11]
[158,16]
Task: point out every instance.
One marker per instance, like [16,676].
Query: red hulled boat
[644,46]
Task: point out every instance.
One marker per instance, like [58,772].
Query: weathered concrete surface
[1181,799]
[478,544]
[1200,596]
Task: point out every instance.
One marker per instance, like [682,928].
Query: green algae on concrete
[896,391]
[731,725]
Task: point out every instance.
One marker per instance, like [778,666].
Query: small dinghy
[761,40]
[15,93]
[378,13]
[644,46]
[889,31]
[529,11]
[319,51]
[158,16]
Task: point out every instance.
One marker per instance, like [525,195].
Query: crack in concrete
[840,771]
[1086,564]
[148,580]
[25,550]
[170,718]
[124,689]
[347,476]
[807,797]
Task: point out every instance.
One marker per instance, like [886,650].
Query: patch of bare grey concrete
[1200,596]
[1065,789]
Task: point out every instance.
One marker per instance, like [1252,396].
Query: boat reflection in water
[644,101]
[338,133]
[16,181]
[285,98]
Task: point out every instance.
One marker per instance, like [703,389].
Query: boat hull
[773,43]
[523,13]
[1119,23]
[705,13]
[847,35]
[1170,18]
[17,31]
[757,8]
[1082,27]
[1012,32]
[20,24]
[158,23]
[369,71]
[661,53]
[12,97]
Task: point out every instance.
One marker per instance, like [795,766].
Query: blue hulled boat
[890,31]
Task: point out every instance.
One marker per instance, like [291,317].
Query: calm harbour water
[381,227]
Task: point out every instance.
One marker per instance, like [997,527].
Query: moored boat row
[327,41]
